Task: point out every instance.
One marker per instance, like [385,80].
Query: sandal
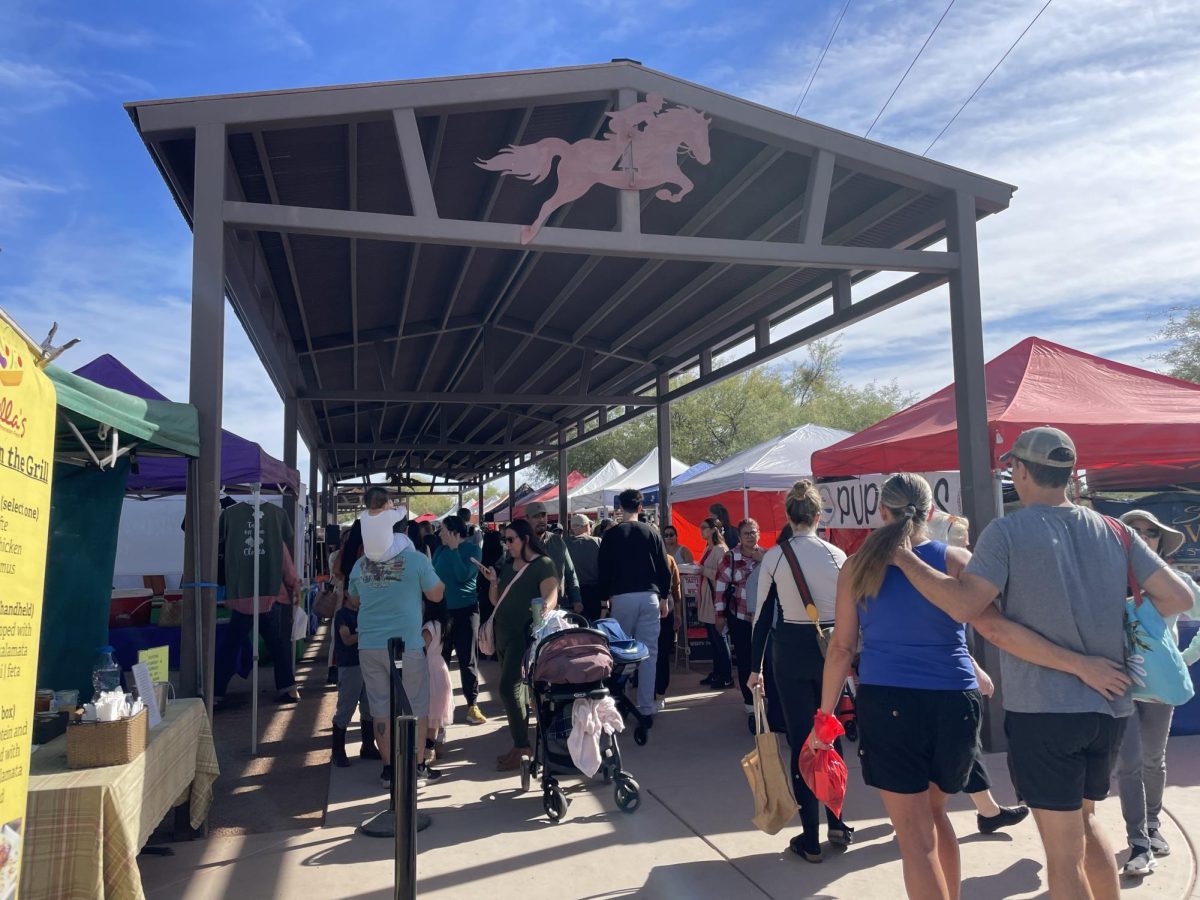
[797,846]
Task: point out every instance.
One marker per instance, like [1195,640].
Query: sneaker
[1158,844]
[721,685]
[707,680]
[842,837]
[475,715]
[426,774]
[1008,815]
[660,704]
[385,777]
[1141,862]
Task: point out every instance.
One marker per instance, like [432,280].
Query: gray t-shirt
[1061,572]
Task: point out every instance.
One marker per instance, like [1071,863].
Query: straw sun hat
[1172,538]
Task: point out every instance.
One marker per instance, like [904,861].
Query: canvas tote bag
[769,774]
[487,632]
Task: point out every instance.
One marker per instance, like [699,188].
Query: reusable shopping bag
[299,623]
[824,771]
[769,775]
[1152,658]
[487,631]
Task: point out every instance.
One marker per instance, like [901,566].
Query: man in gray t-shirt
[1047,586]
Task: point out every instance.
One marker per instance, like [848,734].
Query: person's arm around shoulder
[961,595]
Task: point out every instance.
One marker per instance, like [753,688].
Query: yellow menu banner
[27,406]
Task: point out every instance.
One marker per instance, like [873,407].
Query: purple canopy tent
[243,462]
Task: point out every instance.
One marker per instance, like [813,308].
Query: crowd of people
[1045,585]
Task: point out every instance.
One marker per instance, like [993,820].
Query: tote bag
[1152,658]
[487,632]
[768,774]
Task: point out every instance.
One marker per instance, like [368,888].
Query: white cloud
[281,33]
[1093,117]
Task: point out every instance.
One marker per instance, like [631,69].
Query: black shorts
[910,738]
[1058,760]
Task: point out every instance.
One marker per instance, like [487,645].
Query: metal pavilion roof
[380,272]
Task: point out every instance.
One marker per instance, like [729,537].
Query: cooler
[130,608]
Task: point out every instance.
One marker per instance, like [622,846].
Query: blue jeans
[275,628]
[637,614]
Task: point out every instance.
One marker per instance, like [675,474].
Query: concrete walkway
[691,838]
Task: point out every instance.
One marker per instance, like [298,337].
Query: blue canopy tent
[650,493]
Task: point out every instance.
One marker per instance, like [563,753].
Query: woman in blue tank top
[918,698]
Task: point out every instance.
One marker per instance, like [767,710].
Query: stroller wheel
[554,801]
[640,735]
[628,795]
[525,774]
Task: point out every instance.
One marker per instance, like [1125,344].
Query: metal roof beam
[322,396]
[436,446]
[346,341]
[585,241]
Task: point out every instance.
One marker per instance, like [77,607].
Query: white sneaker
[661,704]
[1141,862]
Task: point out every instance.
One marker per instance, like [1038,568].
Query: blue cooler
[1187,717]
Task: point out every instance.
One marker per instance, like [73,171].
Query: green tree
[1183,330]
[725,418]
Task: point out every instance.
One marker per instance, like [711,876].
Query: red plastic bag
[823,770]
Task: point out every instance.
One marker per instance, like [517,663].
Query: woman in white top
[782,615]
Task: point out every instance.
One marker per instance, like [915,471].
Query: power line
[909,69]
[820,60]
[989,75]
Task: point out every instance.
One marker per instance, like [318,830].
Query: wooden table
[84,827]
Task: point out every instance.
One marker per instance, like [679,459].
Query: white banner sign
[855,503]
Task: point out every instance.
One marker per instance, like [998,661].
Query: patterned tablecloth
[84,827]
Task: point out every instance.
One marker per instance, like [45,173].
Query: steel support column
[290,436]
[562,479]
[197,652]
[664,453]
[314,514]
[970,401]
[512,487]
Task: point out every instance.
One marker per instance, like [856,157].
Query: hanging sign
[854,503]
[27,408]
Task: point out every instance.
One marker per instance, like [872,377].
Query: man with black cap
[1047,585]
[556,549]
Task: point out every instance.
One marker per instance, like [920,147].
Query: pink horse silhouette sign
[642,149]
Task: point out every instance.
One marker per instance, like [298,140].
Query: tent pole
[254,627]
[998,482]
[197,604]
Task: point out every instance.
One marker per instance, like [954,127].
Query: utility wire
[909,69]
[820,60]
[989,75]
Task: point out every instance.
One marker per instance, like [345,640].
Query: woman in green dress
[528,577]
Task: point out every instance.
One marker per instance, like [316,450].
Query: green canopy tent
[100,434]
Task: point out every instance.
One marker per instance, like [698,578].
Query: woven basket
[94,744]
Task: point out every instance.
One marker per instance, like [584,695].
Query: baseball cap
[534,509]
[579,521]
[1044,446]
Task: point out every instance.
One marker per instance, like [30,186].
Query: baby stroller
[563,667]
[627,654]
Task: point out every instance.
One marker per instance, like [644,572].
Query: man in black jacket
[634,575]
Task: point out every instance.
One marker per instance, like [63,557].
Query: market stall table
[84,827]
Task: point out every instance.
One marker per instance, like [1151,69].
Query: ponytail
[908,499]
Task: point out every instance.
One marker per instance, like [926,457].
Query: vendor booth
[750,484]
[595,482]
[549,496]
[650,493]
[502,512]
[644,471]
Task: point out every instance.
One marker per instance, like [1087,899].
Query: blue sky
[1094,117]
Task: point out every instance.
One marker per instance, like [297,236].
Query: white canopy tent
[602,476]
[644,471]
[770,466]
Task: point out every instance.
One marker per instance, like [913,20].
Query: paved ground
[691,838]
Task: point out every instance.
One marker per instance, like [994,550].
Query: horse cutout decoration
[641,150]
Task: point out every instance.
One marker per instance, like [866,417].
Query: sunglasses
[668,534]
[1149,532]
[511,540]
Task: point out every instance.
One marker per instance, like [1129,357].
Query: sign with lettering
[854,503]
[156,660]
[27,404]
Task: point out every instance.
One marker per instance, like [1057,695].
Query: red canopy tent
[549,496]
[1118,416]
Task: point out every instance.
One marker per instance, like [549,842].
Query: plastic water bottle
[106,673]
[537,609]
